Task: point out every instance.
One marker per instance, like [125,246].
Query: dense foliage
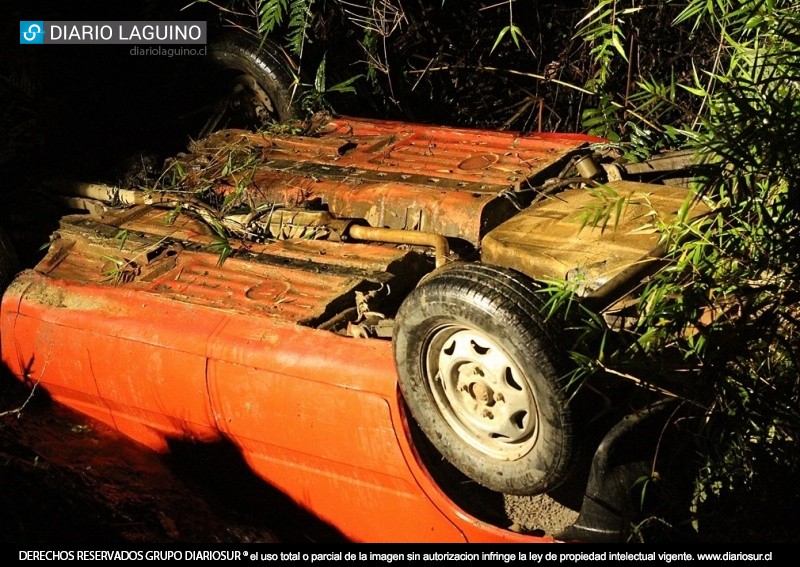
[724,312]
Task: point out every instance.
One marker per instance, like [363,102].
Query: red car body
[174,345]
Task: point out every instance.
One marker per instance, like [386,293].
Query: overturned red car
[356,307]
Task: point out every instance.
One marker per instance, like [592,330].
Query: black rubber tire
[462,304]
[267,63]
[8,260]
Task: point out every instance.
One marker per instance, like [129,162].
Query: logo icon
[31,32]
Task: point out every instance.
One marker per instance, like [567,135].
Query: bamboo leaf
[500,37]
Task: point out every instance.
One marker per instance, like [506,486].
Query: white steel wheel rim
[481,392]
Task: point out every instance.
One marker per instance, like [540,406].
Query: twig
[18,410]
[644,384]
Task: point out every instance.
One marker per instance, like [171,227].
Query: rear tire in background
[262,84]
[481,374]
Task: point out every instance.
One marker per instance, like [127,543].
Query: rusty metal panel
[493,158]
[290,294]
[388,203]
[550,241]
[299,281]
[163,222]
[402,176]
[355,256]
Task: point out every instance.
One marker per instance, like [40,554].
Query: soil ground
[69,479]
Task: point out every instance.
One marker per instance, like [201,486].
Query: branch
[16,412]
[539,77]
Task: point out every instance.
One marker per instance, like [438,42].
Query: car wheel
[8,260]
[261,85]
[481,375]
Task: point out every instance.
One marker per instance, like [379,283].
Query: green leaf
[319,79]
[500,37]
[516,33]
[600,5]
[122,236]
[345,86]
[615,40]
[270,14]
